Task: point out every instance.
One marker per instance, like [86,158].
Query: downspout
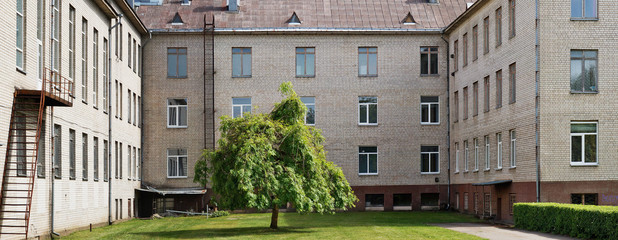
[537,105]
[141,110]
[448,122]
[109,114]
[53,176]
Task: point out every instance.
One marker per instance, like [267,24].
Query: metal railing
[58,86]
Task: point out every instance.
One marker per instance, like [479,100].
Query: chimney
[232,5]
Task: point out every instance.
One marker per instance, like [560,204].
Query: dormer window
[177,20]
[294,20]
[408,20]
[432,1]
[186,2]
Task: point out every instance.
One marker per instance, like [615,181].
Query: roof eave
[282,30]
[455,23]
[107,9]
[132,16]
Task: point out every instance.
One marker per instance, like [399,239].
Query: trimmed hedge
[580,221]
[220,214]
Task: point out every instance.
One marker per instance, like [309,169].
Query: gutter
[326,30]
[109,115]
[53,171]
[448,122]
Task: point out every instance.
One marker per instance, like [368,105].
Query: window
[429,60]
[466,156]
[105,80]
[129,158]
[139,159]
[430,199]
[457,201]
[498,89]
[20,33]
[367,160]
[512,201]
[84,156]
[72,42]
[585,198]
[241,106]
[119,41]
[466,201]
[176,62]
[40,11]
[40,163]
[120,160]
[134,109]
[134,56]
[465,103]
[116,98]
[177,113]
[475,99]
[84,60]
[120,101]
[476,154]
[305,62]
[584,10]
[129,49]
[134,163]
[513,149]
[584,71]
[475,43]
[139,57]
[95,67]
[430,110]
[430,159]
[241,62]
[177,163]
[487,205]
[499,26]
[71,154]
[139,112]
[368,61]
[310,115]
[512,83]
[367,110]
[402,200]
[456,157]
[374,200]
[57,141]
[476,203]
[511,18]
[116,159]
[456,110]
[584,143]
[465,49]
[105,161]
[499,150]
[456,55]
[129,111]
[486,94]
[55,35]
[487,152]
[486,35]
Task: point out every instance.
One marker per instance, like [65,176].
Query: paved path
[501,233]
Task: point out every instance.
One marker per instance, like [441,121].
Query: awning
[492,183]
[174,191]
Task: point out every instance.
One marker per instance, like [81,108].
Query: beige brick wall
[336,88]
[518,116]
[558,35]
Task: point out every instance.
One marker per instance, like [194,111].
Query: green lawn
[349,225]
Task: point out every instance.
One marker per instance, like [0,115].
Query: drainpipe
[141,110]
[536,103]
[448,123]
[53,177]
[109,115]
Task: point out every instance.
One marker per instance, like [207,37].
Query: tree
[266,160]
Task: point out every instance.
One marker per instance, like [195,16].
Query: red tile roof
[372,14]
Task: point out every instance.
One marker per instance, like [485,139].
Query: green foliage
[580,221]
[220,214]
[267,159]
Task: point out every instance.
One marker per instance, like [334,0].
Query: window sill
[367,125]
[20,70]
[584,164]
[430,173]
[498,169]
[584,19]
[85,179]
[367,174]
[241,76]
[180,177]
[180,77]
[430,124]
[302,76]
[95,107]
[181,127]
[584,92]
[96,180]
[475,171]
[514,167]
[486,170]
[84,102]
[457,172]
[71,178]
[363,76]
[498,107]
[430,75]
[466,171]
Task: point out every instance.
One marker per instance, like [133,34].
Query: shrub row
[580,221]
[220,214]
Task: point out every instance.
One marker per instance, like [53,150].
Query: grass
[349,225]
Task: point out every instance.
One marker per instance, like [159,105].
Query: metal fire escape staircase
[20,166]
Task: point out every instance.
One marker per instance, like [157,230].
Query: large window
[466,155]
[84,156]
[585,198]
[367,160]
[476,154]
[57,141]
[486,94]
[465,103]
[499,150]
[456,55]
[176,62]
[584,10]
[95,158]
[456,110]
[430,110]
[512,83]
[105,80]
[368,61]
[40,163]
[241,62]
[71,154]
[241,106]
[584,73]
[84,60]
[584,143]
[129,49]
[305,62]
[105,160]
[374,200]
[475,99]
[499,26]
[456,157]
[498,89]
[430,159]
[487,153]
[486,35]
[512,31]
[513,148]
[95,67]
[429,60]
[72,42]
[177,113]
[367,110]
[475,43]
[20,34]
[40,11]
[55,35]
[177,163]
[310,115]
[465,49]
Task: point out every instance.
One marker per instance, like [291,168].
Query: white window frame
[95,68]
[39,39]
[84,60]
[367,106]
[307,105]
[456,157]
[377,162]
[177,157]
[429,104]
[72,42]
[55,35]
[476,154]
[487,153]
[583,136]
[241,106]
[499,154]
[19,32]
[466,156]
[430,153]
[513,137]
[177,107]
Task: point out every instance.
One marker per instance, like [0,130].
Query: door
[499,209]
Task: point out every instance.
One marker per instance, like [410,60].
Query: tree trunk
[275,217]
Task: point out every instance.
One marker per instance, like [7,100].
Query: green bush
[580,221]
[220,214]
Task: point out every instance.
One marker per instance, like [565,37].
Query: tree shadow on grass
[223,232]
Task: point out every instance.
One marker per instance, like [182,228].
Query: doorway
[499,209]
